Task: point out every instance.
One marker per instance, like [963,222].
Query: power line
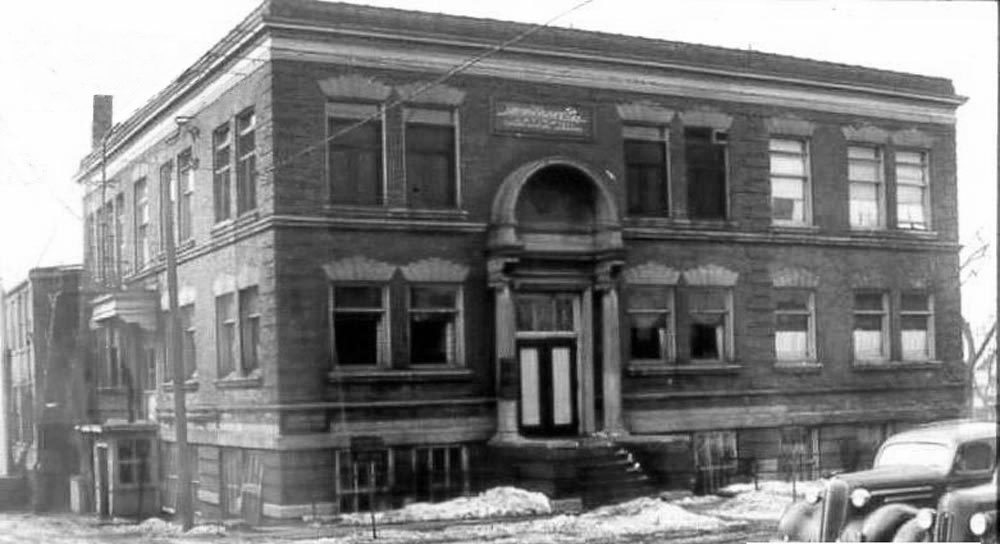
[457,69]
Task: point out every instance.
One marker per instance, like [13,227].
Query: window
[354,154]
[794,334]
[120,234]
[354,484]
[188,345]
[432,473]
[237,468]
[431,177]
[705,153]
[709,324]
[651,323]
[360,331]
[916,313]
[249,329]
[246,162]
[911,190]
[870,327]
[222,171]
[544,313]
[134,463]
[975,456]
[864,174]
[185,174]
[790,193]
[142,253]
[646,178]
[226,339]
[716,459]
[434,324]
[798,453]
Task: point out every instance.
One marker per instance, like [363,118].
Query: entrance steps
[596,471]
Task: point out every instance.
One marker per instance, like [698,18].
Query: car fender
[800,522]
[910,531]
[882,524]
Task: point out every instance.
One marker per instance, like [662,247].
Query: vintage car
[962,515]
[912,470]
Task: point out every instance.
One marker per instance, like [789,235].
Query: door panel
[562,390]
[530,402]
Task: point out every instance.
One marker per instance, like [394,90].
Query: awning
[135,307]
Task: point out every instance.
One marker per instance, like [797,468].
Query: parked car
[962,515]
[912,470]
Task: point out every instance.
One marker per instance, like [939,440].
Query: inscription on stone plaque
[526,118]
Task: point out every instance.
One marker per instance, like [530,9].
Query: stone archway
[604,226]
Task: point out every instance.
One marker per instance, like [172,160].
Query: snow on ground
[766,503]
[497,502]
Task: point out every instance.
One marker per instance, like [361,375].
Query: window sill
[875,366]
[248,216]
[710,224]
[673,369]
[383,211]
[189,385]
[251,381]
[389,375]
[798,367]
[112,390]
[793,227]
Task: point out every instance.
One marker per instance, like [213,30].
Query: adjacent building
[41,381]
[716,259]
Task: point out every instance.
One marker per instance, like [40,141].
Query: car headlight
[813,496]
[859,497]
[980,522]
[925,518]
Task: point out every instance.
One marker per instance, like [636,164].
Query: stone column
[506,350]
[611,373]
[586,367]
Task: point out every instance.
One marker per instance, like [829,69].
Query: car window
[974,456]
[930,454]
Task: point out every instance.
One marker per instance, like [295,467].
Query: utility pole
[175,358]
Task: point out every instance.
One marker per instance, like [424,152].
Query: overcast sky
[56,55]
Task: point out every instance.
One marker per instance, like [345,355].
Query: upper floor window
[795,329]
[790,192]
[709,323]
[912,200]
[431,158]
[120,251]
[867,190]
[435,324]
[650,311]
[871,326]
[249,311]
[646,171]
[354,147]
[360,328]
[226,339]
[185,175]
[246,161]
[168,204]
[705,154]
[916,316]
[141,207]
[222,152]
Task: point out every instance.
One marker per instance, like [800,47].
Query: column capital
[606,274]
[496,271]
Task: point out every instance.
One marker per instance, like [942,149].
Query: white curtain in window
[383,341]
[791,344]
[915,345]
[868,345]
[864,205]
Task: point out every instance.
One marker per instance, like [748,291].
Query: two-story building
[697,253]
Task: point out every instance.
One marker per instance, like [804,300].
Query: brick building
[700,254]
[41,370]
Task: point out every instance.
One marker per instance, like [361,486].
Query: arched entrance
[554,246]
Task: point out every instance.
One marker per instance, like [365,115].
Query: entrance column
[611,369]
[506,348]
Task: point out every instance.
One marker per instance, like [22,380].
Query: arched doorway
[554,245]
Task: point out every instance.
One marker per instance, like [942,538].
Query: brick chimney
[102,119]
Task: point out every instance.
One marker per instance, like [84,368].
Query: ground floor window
[798,453]
[169,461]
[361,477]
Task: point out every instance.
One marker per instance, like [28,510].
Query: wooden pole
[174,357]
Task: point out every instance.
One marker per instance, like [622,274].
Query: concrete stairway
[609,474]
